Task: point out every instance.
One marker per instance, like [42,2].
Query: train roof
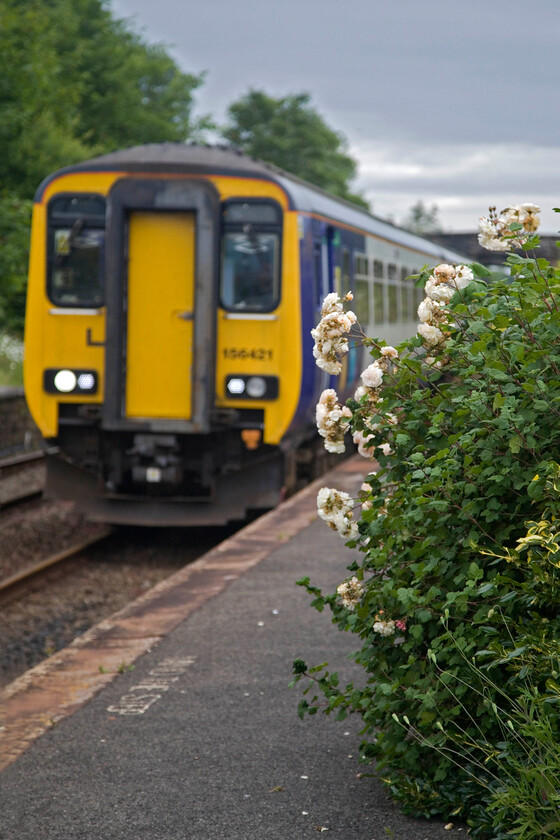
[227,160]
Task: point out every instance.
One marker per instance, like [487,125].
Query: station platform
[173,719]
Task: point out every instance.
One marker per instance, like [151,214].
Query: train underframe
[169,479]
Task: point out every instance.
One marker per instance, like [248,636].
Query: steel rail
[30,572]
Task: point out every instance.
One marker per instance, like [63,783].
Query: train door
[159,329]
[161,270]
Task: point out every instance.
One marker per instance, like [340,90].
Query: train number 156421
[260,354]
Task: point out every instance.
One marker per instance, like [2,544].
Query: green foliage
[75,82]
[423,220]
[458,545]
[291,134]
[15,216]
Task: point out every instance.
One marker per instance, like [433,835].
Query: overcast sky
[454,103]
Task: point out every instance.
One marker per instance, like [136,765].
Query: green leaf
[515,443]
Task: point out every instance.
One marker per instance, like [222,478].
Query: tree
[289,133]
[422,220]
[15,217]
[74,82]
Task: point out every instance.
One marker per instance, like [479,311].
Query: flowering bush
[463,420]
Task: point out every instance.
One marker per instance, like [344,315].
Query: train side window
[392,271]
[377,269]
[393,305]
[360,302]
[407,298]
[345,282]
[250,279]
[317,275]
[75,250]
[378,303]
[405,302]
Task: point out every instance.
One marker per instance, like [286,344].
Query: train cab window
[75,250]
[251,234]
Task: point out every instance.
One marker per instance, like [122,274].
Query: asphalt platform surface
[201,740]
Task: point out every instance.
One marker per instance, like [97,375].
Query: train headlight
[67,381]
[256,387]
[252,387]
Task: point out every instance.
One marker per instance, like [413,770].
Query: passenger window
[378,303]
[345,284]
[250,279]
[392,271]
[405,303]
[393,307]
[360,303]
[377,269]
[76,250]
[317,274]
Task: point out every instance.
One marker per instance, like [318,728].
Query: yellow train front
[171,293]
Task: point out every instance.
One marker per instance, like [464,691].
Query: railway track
[24,577]
[22,477]
[46,604]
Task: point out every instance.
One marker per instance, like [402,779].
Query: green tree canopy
[422,219]
[74,82]
[289,133]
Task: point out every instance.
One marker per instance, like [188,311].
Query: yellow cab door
[159,337]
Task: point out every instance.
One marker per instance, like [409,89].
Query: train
[171,296]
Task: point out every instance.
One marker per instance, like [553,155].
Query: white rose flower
[463,276]
[389,352]
[444,273]
[426,310]
[372,377]
[361,442]
[384,628]
[431,335]
[439,291]
[351,592]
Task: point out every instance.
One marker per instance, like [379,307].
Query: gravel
[104,578]
[36,530]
